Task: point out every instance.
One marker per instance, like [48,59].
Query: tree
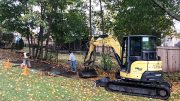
[15,16]
[90,19]
[10,14]
[64,24]
[55,19]
[139,17]
[102,17]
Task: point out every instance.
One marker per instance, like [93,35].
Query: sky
[177,25]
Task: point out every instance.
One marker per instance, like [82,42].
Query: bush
[106,62]
[6,39]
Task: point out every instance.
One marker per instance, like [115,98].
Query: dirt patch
[45,68]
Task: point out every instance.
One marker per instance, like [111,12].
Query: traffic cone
[7,64]
[25,71]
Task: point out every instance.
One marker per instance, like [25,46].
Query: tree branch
[170,13]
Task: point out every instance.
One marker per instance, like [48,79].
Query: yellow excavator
[140,70]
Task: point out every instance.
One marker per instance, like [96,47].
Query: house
[171,40]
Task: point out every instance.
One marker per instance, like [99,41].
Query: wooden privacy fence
[170,57]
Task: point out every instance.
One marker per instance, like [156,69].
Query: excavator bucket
[88,73]
[89,59]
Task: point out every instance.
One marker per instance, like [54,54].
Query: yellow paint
[109,41]
[154,65]
[139,67]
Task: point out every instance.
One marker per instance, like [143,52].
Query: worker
[26,61]
[72,60]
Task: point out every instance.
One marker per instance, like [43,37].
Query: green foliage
[10,14]
[172,5]
[63,24]
[139,17]
[106,62]
[7,37]
[76,26]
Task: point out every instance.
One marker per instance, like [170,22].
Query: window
[135,46]
[149,43]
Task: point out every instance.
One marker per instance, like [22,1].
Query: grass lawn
[35,87]
[16,87]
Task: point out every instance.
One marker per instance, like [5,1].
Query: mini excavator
[140,70]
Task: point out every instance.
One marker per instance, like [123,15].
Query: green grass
[16,87]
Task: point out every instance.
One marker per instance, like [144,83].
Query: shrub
[106,62]
[6,39]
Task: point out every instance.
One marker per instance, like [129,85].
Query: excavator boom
[103,40]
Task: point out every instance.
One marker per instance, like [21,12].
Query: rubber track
[140,85]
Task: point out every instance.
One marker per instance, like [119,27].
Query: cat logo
[139,69]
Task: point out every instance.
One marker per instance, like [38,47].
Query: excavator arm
[103,40]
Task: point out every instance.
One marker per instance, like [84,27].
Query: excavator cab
[137,48]
[139,60]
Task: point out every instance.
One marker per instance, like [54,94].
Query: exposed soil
[45,68]
[42,66]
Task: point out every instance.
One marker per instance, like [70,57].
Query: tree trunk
[102,23]
[29,43]
[28,39]
[46,47]
[37,48]
[102,17]
[40,50]
[90,23]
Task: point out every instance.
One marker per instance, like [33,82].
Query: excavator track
[146,89]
